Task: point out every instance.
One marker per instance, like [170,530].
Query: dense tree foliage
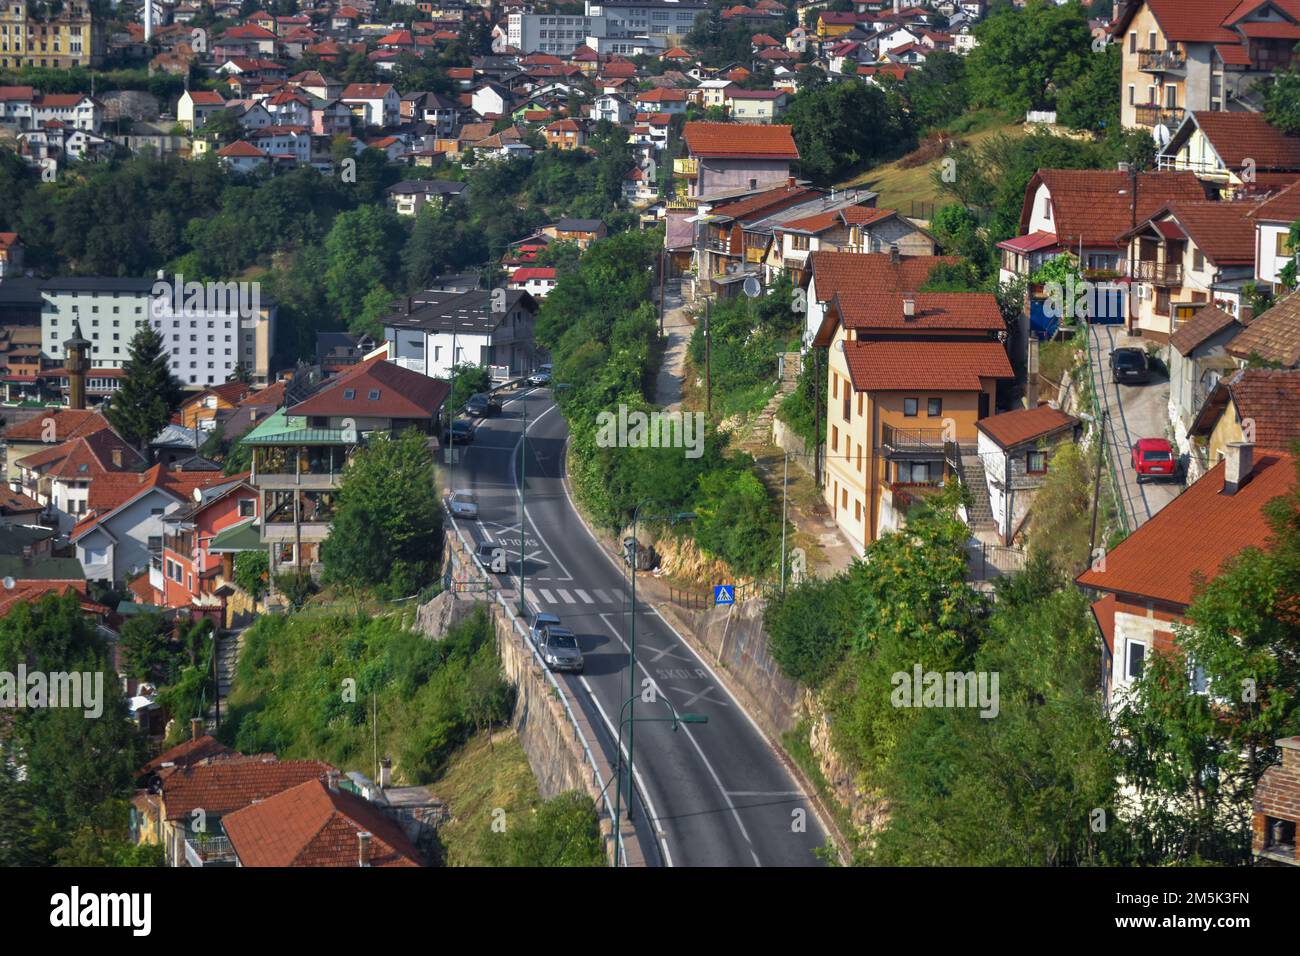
[840,127]
[1025,57]
[149,394]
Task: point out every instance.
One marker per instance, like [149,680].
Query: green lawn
[480,779]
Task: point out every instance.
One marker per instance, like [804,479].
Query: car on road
[540,623]
[461,432]
[541,377]
[1129,366]
[1154,458]
[645,556]
[481,404]
[462,504]
[491,557]
[559,649]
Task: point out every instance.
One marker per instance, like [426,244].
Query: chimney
[196,728]
[909,307]
[332,780]
[1290,752]
[1237,466]
[895,257]
[363,848]
[1246,314]
[117,458]
[1031,374]
[385,773]
[408,305]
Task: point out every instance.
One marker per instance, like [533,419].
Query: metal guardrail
[1107,440]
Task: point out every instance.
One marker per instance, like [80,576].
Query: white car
[463,504]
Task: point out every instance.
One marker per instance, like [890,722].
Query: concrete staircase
[227,662]
[760,427]
[972,476]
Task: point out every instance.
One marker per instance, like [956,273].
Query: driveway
[678,329]
[1133,412]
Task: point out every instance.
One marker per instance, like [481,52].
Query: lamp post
[629,720]
[631,643]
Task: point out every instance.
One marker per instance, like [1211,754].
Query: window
[835,439]
[857,509]
[1133,42]
[910,406]
[1198,260]
[847,406]
[916,472]
[349,394]
[373,395]
[1036,462]
[934,407]
[1132,95]
[1137,653]
[1282,247]
[247,507]
[859,457]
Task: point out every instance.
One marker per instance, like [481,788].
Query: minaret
[148,20]
[77,364]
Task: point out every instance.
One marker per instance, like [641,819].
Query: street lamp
[629,720]
[631,653]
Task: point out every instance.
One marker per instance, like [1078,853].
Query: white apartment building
[553,34]
[204,347]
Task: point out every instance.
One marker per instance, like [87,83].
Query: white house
[431,331]
[196,106]
[376,104]
[1015,451]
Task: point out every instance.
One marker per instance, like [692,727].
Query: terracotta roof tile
[1283,206]
[893,366]
[68,423]
[1274,335]
[225,786]
[1207,323]
[1237,137]
[184,754]
[1269,397]
[311,825]
[951,311]
[1195,533]
[1013,428]
[871,272]
[399,393]
[1097,206]
[740,140]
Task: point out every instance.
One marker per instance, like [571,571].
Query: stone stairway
[972,476]
[227,661]
[760,427]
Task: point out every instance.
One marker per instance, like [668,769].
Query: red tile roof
[1097,205]
[1194,534]
[1268,397]
[1273,335]
[740,141]
[1013,428]
[1207,323]
[225,786]
[893,366]
[954,311]
[68,423]
[1283,206]
[1237,137]
[1224,231]
[189,752]
[311,825]
[400,393]
[85,457]
[872,272]
[1197,21]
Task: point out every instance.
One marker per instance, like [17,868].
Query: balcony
[1161,61]
[1158,273]
[1153,114]
[209,851]
[686,168]
[896,440]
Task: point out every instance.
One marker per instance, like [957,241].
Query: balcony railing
[1160,273]
[1161,61]
[209,851]
[912,439]
[689,168]
[1153,114]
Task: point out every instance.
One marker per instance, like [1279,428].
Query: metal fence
[694,600]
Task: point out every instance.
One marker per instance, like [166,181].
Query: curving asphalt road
[707,795]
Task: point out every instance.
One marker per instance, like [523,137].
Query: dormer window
[374,395]
[349,394]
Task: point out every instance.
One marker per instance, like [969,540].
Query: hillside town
[918,382]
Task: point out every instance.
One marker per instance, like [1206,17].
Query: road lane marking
[523,433]
[601,596]
[531,596]
[586,599]
[550,598]
[565,596]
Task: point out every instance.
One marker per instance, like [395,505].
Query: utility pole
[523,490]
[785,485]
[817,416]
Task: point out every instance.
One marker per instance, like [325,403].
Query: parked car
[646,558]
[541,377]
[540,623]
[481,404]
[463,504]
[488,553]
[461,432]
[1130,366]
[1154,458]
[559,649]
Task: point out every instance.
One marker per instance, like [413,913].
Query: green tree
[1025,57]
[808,629]
[149,395]
[843,126]
[387,531]
[252,571]
[1092,101]
[145,644]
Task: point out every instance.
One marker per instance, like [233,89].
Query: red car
[1154,458]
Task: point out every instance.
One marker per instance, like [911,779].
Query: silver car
[463,504]
[559,649]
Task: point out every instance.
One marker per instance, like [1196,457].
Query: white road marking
[531,596]
[565,596]
[766,793]
[547,596]
[519,493]
[586,599]
[601,596]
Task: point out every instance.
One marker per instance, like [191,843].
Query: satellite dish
[9,583]
[1161,135]
[839,345]
[753,288]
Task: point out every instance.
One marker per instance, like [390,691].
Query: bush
[809,628]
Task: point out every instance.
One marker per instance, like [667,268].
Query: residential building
[1203,55]
[375,104]
[1233,153]
[1186,254]
[583,232]
[565,134]
[535,280]
[1275,809]
[1013,454]
[1260,406]
[555,34]
[858,228]
[196,565]
[40,432]
[727,156]
[909,374]
[203,410]
[670,19]
[409,196]
[61,476]
[1150,579]
[431,331]
[1198,361]
[755,106]
[11,254]
[1273,252]
[32,37]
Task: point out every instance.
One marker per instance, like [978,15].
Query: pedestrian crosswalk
[543,597]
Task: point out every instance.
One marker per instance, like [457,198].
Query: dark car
[461,432]
[482,404]
[1130,366]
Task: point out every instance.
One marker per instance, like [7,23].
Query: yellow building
[30,37]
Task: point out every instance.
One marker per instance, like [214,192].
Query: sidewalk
[678,329]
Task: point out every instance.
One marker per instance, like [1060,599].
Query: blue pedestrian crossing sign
[724,594]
